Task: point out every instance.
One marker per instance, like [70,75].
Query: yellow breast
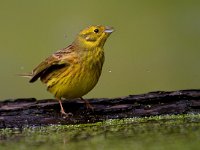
[78,79]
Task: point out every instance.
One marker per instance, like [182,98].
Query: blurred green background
[156,45]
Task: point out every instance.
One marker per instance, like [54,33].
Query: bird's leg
[88,105]
[62,111]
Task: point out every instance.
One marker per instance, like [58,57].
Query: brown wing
[55,62]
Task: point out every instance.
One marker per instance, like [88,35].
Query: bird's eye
[96,30]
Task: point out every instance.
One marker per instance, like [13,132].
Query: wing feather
[53,63]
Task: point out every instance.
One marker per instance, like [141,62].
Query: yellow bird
[73,71]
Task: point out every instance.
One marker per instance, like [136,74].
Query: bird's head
[94,36]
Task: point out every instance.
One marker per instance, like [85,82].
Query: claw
[62,111]
[65,115]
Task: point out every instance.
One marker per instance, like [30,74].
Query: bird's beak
[109,29]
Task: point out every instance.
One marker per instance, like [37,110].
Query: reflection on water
[178,132]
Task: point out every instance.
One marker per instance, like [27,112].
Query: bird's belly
[75,84]
[79,87]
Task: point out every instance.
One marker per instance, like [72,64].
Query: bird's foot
[65,115]
[87,104]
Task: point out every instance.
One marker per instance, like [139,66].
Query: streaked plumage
[73,71]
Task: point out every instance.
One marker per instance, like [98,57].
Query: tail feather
[26,75]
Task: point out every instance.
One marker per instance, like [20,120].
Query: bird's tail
[26,75]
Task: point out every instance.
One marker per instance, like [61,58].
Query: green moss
[145,132]
[116,123]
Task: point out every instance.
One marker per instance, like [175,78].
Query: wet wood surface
[19,113]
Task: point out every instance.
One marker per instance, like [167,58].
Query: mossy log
[23,112]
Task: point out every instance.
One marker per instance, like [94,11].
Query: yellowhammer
[73,71]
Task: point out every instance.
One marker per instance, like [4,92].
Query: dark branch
[31,112]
